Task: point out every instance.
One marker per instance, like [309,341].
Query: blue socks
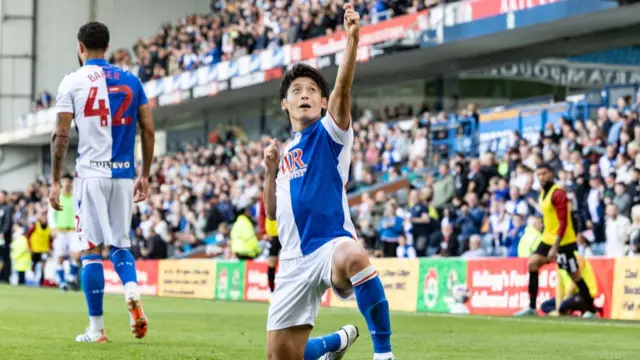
[374,307]
[93,283]
[319,346]
[60,273]
[73,269]
[124,264]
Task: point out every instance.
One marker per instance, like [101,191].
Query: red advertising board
[487,8]
[256,285]
[500,286]
[388,30]
[604,270]
[146,271]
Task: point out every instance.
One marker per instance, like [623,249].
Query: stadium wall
[19,165]
[16,60]
[497,286]
[58,23]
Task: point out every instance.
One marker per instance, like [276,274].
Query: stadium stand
[238,28]
[468,196]
[459,204]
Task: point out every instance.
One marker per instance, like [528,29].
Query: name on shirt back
[97,75]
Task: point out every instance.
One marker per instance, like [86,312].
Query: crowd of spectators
[488,206]
[235,28]
[469,207]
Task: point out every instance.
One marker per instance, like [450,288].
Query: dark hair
[94,35]
[67,176]
[303,70]
[545,166]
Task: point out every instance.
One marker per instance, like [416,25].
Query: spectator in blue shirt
[390,228]
[515,234]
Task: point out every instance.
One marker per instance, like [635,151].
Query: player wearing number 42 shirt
[558,242]
[106,103]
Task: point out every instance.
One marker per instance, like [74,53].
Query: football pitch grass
[43,323]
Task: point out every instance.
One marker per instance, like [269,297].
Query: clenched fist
[272,157]
[351,20]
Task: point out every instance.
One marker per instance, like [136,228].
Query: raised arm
[340,100]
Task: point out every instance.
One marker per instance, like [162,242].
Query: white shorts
[103,211]
[300,284]
[66,242]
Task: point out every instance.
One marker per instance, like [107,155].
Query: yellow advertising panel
[193,278]
[400,280]
[626,289]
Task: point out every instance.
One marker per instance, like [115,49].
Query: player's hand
[54,196]
[351,20]
[272,156]
[553,253]
[140,189]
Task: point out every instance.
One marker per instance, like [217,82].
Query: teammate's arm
[59,147]
[148,138]
[340,100]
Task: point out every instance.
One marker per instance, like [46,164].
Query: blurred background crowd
[460,202]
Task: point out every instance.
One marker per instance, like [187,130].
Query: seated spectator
[617,232]
[20,254]
[244,242]
[44,100]
[516,233]
[622,199]
[154,247]
[531,237]
[584,247]
[443,188]
[390,229]
[475,248]
[404,250]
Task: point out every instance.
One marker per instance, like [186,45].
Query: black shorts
[566,258]
[275,248]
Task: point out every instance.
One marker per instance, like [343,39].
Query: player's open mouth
[305,106]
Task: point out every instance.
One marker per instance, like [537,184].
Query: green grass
[43,323]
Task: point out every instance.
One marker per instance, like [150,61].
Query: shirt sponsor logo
[110,164]
[292,166]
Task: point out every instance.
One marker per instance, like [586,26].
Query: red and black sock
[533,289]
[586,296]
[271,275]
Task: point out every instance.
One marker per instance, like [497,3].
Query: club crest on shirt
[291,164]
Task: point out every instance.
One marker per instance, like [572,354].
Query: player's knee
[272,261]
[534,264]
[95,251]
[356,260]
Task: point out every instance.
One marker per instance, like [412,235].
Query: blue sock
[124,264]
[93,283]
[375,308]
[73,268]
[319,346]
[60,273]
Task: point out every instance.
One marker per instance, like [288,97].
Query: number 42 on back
[103,112]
